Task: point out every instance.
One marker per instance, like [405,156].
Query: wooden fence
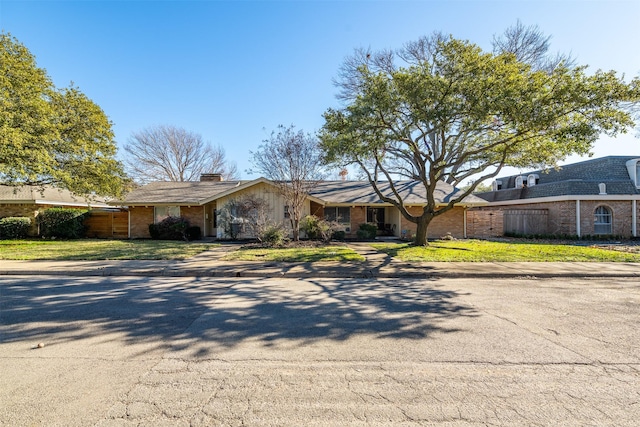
[108,224]
[526,221]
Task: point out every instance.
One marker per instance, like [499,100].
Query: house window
[532,180]
[341,214]
[287,215]
[638,174]
[519,182]
[162,212]
[602,220]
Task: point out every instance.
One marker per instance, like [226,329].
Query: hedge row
[62,223]
[14,227]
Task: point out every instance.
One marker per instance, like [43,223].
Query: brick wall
[194,214]
[561,218]
[449,222]
[621,217]
[139,219]
[485,222]
[358,216]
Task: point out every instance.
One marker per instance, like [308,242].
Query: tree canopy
[171,153]
[441,109]
[49,135]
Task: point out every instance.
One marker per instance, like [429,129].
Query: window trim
[602,220]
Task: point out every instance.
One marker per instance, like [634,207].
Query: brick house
[28,201]
[349,202]
[590,198]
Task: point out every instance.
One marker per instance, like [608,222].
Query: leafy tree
[170,153]
[52,136]
[291,160]
[450,111]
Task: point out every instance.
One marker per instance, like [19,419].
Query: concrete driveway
[138,351]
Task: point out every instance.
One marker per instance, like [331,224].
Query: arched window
[602,220]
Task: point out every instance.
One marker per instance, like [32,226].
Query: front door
[376,216]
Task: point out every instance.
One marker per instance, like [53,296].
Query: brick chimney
[213,177]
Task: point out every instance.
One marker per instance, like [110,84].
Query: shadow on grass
[203,317]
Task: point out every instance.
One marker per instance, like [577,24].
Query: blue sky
[233,71]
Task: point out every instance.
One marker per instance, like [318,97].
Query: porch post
[578,218]
[634,218]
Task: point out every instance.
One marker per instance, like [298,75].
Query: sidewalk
[209,264]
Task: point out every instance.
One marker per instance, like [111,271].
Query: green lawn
[297,254]
[90,249]
[486,251]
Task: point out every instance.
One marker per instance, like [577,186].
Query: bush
[170,228]
[309,225]
[316,228]
[193,233]
[62,223]
[14,227]
[367,232]
[273,236]
[339,235]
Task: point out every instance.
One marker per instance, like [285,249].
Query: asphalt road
[143,351]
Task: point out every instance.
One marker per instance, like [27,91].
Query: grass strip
[298,254]
[97,249]
[488,251]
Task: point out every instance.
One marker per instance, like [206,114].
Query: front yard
[299,253]
[91,249]
[507,251]
[437,251]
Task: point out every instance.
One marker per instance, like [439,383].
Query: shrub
[316,228]
[339,235]
[309,225]
[62,223]
[14,227]
[367,232]
[170,228]
[273,236]
[193,233]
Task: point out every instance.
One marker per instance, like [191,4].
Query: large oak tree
[52,136]
[441,109]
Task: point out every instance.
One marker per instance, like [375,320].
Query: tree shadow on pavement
[184,313]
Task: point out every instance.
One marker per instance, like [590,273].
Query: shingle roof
[184,193]
[361,193]
[574,179]
[45,195]
[332,192]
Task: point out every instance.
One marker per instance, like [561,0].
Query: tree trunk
[295,225]
[421,232]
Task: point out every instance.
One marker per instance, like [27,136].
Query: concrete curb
[414,273]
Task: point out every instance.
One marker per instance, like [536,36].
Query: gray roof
[361,193]
[46,195]
[580,179]
[331,192]
[178,193]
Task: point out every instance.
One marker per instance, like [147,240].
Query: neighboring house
[590,198]
[27,201]
[349,202]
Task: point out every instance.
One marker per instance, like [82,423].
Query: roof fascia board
[568,198]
